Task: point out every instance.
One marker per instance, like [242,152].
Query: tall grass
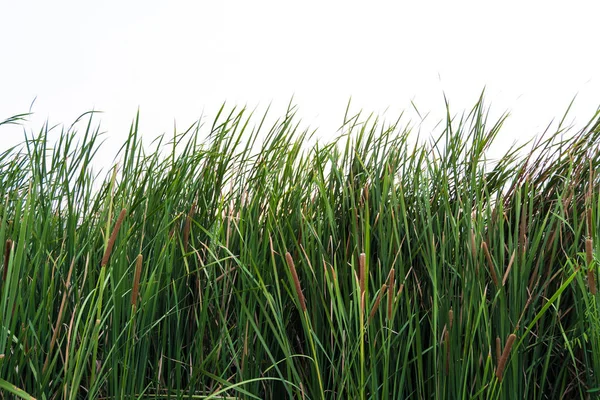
[361,268]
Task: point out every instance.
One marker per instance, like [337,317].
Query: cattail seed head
[498,349]
[589,221]
[362,306]
[491,267]
[136,280]
[377,301]
[505,354]
[361,271]
[113,238]
[292,267]
[591,281]
[450,319]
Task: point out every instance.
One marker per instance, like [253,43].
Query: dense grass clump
[218,266]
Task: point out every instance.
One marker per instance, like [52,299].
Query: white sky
[175,59]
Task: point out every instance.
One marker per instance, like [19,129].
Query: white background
[178,60]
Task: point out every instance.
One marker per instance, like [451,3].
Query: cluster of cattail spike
[385,288]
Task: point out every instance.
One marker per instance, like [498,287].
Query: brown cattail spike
[591,281]
[498,349]
[113,238]
[361,271]
[504,358]
[491,267]
[589,220]
[362,306]
[377,301]
[292,267]
[136,280]
[450,319]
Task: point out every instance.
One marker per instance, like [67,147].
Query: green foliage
[460,253]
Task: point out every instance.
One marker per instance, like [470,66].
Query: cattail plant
[257,197]
[504,357]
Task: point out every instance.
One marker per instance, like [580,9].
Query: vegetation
[362,268]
